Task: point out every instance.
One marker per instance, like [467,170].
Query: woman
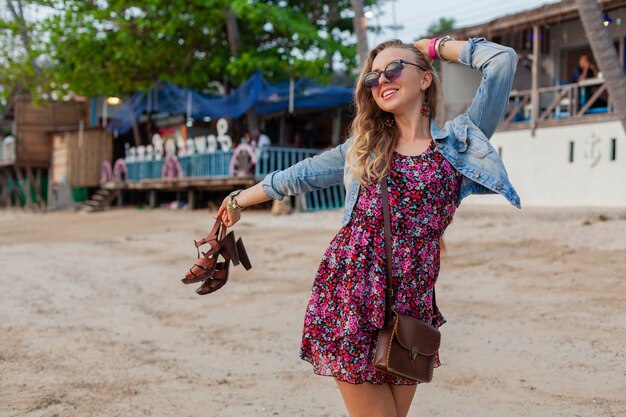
[430,170]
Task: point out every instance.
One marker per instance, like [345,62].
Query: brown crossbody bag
[406,346]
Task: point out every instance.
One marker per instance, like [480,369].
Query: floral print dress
[347,303]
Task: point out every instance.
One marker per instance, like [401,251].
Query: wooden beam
[534,115]
[592,100]
[553,105]
[517,108]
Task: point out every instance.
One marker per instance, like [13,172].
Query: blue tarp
[255,92]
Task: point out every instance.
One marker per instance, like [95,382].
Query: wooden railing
[571,102]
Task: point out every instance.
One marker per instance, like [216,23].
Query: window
[571,151]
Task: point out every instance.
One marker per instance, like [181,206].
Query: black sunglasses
[391,71]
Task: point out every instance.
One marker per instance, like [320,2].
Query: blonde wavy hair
[368,130]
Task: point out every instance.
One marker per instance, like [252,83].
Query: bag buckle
[389,292]
[413,354]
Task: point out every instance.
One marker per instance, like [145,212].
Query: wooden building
[549,40]
[25,159]
[560,139]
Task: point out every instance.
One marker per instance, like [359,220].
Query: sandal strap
[213,237]
[205,262]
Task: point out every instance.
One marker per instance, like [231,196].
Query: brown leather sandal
[230,252]
[204,267]
[215,274]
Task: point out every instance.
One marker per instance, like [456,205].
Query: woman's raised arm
[497,64]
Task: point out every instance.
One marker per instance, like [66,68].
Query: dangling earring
[389,120]
[426,107]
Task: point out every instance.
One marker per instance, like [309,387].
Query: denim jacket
[463,141]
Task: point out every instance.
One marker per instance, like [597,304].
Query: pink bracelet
[432,52]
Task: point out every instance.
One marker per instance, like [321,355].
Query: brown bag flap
[415,333]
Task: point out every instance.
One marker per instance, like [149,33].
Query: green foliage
[115,47]
[440,27]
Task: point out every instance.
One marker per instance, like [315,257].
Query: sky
[417,15]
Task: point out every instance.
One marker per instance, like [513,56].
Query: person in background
[247,139]
[585,69]
[259,143]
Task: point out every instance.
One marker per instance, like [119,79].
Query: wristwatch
[233,204]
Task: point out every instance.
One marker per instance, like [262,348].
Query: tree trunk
[360,30]
[18,16]
[232,29]
[605,54]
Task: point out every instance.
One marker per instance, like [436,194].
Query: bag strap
[389,292]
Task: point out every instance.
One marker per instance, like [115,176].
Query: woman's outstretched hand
[229,217]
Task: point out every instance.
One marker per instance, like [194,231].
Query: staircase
[100,201]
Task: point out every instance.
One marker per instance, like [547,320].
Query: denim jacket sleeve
[313,173]
[497,64]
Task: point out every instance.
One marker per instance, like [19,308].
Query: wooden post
[6,195]
[282,134]
[16,190]
[152,198]
[534,115]
[136,134]
[336,127]
[22,184]
[35,184]
[119,198]
[191,201]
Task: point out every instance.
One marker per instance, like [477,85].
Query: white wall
[459,85]
[540,170]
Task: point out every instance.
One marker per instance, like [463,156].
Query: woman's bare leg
[403,396]
[368,400]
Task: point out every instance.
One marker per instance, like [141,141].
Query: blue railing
[327,199]
[143,170]
[276,157]
[217,164]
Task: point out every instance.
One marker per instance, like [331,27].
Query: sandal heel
[243,255]
[229,245]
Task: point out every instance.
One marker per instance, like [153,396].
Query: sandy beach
[94,320]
